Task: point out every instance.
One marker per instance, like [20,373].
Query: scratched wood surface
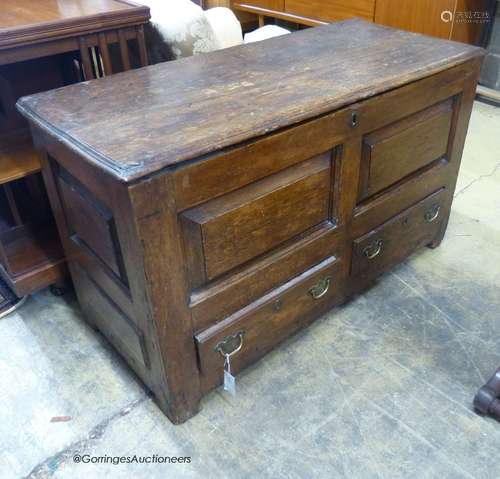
[140,122]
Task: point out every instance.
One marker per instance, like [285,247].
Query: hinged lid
[137,123]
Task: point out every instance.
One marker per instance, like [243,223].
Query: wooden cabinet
[440,18]
[331,10]
[221,214]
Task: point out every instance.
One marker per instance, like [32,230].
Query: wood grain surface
[142,121]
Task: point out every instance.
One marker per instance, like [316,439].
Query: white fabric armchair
[186,29]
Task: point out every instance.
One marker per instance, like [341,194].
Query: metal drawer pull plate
[230,345]
[320,288]
[373,249]
[432,213]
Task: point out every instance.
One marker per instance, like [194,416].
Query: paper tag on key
[229,383]
[229,379]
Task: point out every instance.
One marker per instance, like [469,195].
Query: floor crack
[479,178]
[49,466]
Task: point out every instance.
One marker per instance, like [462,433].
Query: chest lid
[137,123]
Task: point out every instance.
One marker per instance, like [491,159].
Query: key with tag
[227,348]
[229,379]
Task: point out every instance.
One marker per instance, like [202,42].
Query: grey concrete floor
[379,388]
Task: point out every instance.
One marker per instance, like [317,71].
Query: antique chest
[219,203]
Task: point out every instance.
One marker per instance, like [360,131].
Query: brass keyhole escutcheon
[373,249]
[320,288]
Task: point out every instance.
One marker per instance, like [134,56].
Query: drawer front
[400,149]
[331,10]
[391,242]
[269,320]
[230,230]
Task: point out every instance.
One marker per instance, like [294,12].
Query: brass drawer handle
[373,249]
[432,213]
[230,345]
[320,288]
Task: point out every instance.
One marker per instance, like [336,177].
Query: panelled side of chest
[100,228]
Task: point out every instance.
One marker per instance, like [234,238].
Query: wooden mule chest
[220,203]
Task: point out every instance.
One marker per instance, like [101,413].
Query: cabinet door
[278,5]
[331,10]
[424,16]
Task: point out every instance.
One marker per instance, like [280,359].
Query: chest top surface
[139,122]
[29,21]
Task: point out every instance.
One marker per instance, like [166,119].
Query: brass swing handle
[432,213]
[373,249]
[230,345]
[320,288]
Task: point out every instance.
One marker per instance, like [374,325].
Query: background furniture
[267,183]
[179,28]
[487,399]
[490,74]
[46,44]
[422,16]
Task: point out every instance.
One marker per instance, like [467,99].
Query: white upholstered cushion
[226,27]
[183,25]
[265,32]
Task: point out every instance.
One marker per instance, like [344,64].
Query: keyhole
[277,305]
[354,119]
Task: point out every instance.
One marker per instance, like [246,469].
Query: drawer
[230,230]
[402,148]
[269,320]
[221,298]
[391,242]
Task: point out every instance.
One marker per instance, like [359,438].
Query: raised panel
[397,150]
[118,328]
[331,10]
[90,224]
[232,229]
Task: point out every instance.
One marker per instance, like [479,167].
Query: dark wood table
[46,44]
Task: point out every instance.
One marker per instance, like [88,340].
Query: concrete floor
[379,388]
